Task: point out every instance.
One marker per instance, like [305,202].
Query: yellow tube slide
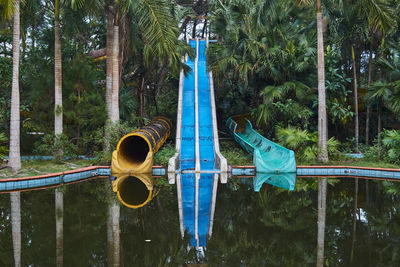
[132,162]
[134,153]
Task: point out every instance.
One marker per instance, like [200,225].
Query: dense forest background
[264,62]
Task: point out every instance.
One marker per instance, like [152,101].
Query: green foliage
[262,63]
[3,145]
[111,133]
[276,104]
[234,154]
[164,154]
[336,81]
[51,144]
[304,144]
[391,142]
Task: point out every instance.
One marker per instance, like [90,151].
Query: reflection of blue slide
[197,189]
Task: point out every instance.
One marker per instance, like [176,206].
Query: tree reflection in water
[274,227]
[16,226]
[322,188]
[59,206]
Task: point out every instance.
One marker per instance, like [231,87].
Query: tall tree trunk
[109,74]
[59,203]
[58,112]
[16,226]
[355,99]
[204,29]
[379,127]
[23,44]
[370,69]
[14,155]
[194,29]
[322,190]
[33,34]
[142,99]
[161,79]
[5,49]
[322,117]
[109,50]
[115,73]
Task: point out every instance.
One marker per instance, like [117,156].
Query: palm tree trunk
[322,188]
[115,75]
[109,74]
[14,155]
[16,226]
[204,28]
[59,203]
[322,118]
[370,68]
[194,29]
[355,99]
[58,112]
[109,66]
[379,127]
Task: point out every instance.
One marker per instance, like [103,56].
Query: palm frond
[6,9]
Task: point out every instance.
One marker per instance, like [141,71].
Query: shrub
[50,144]
[3,145]
[391,144]
[304,144]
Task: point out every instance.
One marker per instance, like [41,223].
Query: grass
[41,167]
[351,162]
[234,154]
[237,156]
[229,149]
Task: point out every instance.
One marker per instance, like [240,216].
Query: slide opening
[133,151]
[133,192]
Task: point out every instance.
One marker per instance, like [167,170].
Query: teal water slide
[268,157]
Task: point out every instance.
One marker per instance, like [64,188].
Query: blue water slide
[196,148]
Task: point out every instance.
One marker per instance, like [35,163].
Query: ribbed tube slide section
[132,162]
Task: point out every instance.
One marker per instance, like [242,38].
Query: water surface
[272,227]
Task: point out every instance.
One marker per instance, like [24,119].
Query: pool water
[272,227]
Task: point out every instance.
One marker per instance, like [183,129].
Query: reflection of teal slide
[284,180]
[268,157]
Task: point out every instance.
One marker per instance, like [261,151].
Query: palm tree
[114,115]
[109,69]
[14,155]
[356,17]
[58,112]
[322,117]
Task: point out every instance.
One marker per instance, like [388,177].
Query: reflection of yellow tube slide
[134,190]
[134,153]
